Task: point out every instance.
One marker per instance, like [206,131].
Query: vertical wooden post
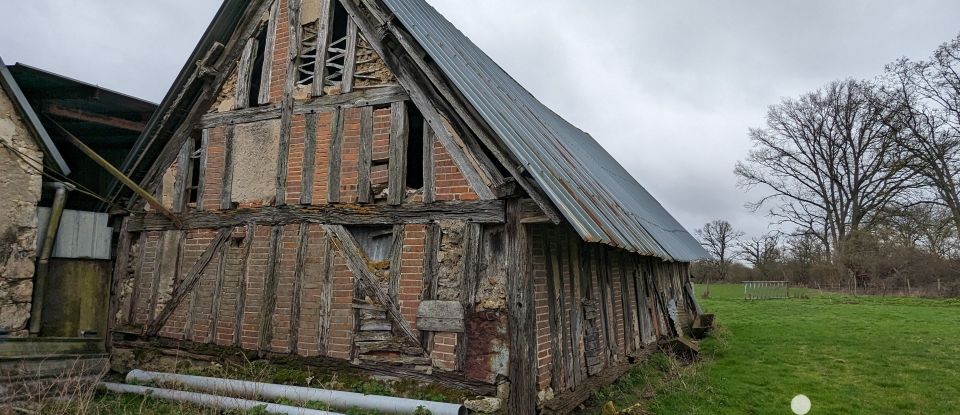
[365,154]
[522,329]
[309,159]
[336,150]
[265,335]
[429,179]
[302,242]
[350,57]
[241,307]
[225,192]
[399,138]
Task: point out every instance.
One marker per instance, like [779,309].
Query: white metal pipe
[202,399]
[336,399]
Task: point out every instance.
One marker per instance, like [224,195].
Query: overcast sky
[668,87]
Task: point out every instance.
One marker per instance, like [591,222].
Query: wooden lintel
[354,99]
[485,211]
[91,117]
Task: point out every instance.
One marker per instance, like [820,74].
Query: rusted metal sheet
[81,234]
[599,198]
[488,349]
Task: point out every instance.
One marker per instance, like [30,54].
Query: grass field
[862,355]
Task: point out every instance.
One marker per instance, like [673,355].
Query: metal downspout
[43,262]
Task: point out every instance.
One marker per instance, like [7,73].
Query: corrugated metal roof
[599,198]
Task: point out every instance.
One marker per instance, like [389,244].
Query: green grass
[870,355]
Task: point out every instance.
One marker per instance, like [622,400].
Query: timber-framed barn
[356,181]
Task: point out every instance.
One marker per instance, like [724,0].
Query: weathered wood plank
[628,336]
[431,247]
[396,261]
[201,175]
[302,246]
[269,303]
[357,263]
[350,59]
[522,329]
[241,309]
[324,33]
[245,74]
[309,159]
[435,315]
[182,177]
[335,153]
[326,293]
[226,198]
[267,69]
[355,99]
[399,139]
[138,273]
[429,175]
[483,211]
[576,307]
[217,297]
[189,282]
[558,376]
[121,274]
[365,155]
[471,278]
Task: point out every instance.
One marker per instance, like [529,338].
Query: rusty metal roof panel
[599,198]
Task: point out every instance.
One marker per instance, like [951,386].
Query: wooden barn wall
[293,287]
[596,306]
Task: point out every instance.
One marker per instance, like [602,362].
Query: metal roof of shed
[599,198]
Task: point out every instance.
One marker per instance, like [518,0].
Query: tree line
[862,179]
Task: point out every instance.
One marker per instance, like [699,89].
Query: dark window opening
[375,241]
[256,71]
[414,175]
[193,170]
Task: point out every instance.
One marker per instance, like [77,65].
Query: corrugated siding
[602,201]
[81,234]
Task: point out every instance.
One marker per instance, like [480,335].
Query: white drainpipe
[213,401]
[336,399]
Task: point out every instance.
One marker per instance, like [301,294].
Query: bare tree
[762,252]
[829,161]
[926,95]
[719,238]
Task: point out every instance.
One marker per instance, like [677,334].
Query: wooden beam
[522,326]
[119,276]
[269,302]
[357,262]
[324,32]
[309,159]
[334,154]
[217,297]
[365,155]
[482,211]
[240,310]
[302,242]
[188,283]
[241,98]
[396,261]
[226,198]
[350,58]
[355,99]
[138,274]
[201,180]
[326,293]
[77,114]
[182,176]
[429,175]
[399,139]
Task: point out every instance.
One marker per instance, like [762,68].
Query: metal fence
[765,290]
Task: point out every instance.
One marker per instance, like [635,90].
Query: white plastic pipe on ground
[336,399]
[201,399]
